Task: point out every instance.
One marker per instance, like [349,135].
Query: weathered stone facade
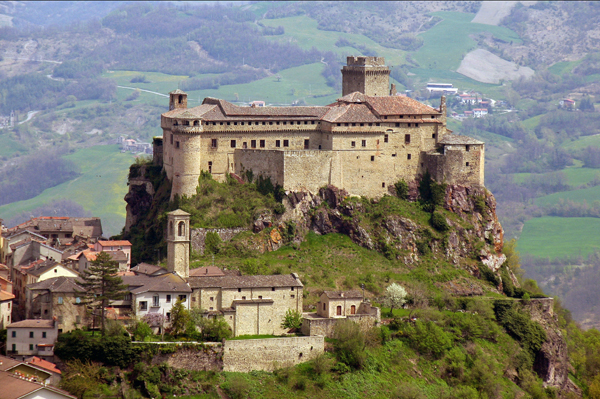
[178,243]
[198,236]
[363,143]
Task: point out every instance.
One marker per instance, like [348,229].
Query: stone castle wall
[457,166]
[270,354]
[198,236]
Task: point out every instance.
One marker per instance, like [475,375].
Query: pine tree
[102,285]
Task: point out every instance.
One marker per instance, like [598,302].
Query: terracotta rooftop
[6,296]
[208,271]
[114,243]
[279,280]
[32,323]
[355,294]
[458,139]
[44,364]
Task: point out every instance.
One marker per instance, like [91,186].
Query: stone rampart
[198,236]
[269,354]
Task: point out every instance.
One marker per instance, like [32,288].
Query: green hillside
[100,188]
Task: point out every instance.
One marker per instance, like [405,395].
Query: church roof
[280,280]
[178,212]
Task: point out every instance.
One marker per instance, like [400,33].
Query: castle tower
[367,75]
[178,243]
[177,99]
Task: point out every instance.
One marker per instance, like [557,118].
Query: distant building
[566,103]
[445,88]
[479,112]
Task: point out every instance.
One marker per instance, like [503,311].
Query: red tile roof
[114,243]
[44,364]
[6,296]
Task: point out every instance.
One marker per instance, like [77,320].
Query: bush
[429,339]
[349,346]
[142,331]
[292,319]
[438,221]
[212,243]
[401,189]
[215,329]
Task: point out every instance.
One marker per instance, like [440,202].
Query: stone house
[6,304]
[251,305]
[57,298]
[32,338]
[86,257]
[364,142]
[339,303]
[113,246]
[334,306]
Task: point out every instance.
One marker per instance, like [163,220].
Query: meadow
[99,189]
[588,194]
[551,237]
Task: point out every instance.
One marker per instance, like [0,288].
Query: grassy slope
[551,237]
[588,194]
[100,188]
[9,146]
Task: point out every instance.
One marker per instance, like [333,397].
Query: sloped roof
[6,363]
[6,296]
[44,364]
[169,282]
[14,387]
[178,212]
[59,284]
[450,139]
[355,294]
[207,271]
[32,323]
[280,280]
[350,113]
[114,243]
[146,268]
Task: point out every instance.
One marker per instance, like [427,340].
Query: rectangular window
[30,334]
[286,143]
[252,143]
[260,297]
[262,144]
[243,298]
[60,300]
[385,138]
[372,158]
[383,185]
[212,298]
[272,288]
[213,143]
[30,347]
[183,298]
[168,297]
[209,166]
[277,143]
[44,333]
[239,290]
[245,145]
[408,156]
[407,139]
[292,296]
[467,148]
[143,305]
[13,334]
[306,144]
[353,144]
[433,136]
[155,301]
[14,347]
[177,144]
[467,164]
[364,143]
[171,138]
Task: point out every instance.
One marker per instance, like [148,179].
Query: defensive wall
[458,164]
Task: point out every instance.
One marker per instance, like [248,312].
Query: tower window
[383,185]
[372,158]
[233,143]
[209,166]
[177,144]
[252,143]
[353,144]
[467,148]
[180,99]
[407,156]
[181,229]
[364,143]
[286,143]
[196,123]
[171,138]
[407,139]
[213,143]
[306,144]
[262,144]
[385,138]
[277,143]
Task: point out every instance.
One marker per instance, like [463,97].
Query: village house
[114,246]
[57,298]
[17,387]
[33,369]
[567,103]
[480,112]
[31,338]
[340,305]
[6,304]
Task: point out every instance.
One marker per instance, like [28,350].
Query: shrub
[292,319]
[401,189]
[216,329]
[142,331]
[349,346]
[480,205]
[429,339]
[212,243]
[237,387]
[438,221]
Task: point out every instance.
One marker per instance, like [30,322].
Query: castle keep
[364,142]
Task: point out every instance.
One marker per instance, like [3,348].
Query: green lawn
[563,67]
[303,31]
[576,176]
[9,146]
[100,188]
[532,123]
[552,237]
[588,194]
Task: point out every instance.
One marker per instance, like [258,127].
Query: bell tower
[177,99]
[178,243]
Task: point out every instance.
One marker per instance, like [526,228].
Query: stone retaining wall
[198,236]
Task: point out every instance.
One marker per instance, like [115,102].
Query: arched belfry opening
[178,244]
[177,100]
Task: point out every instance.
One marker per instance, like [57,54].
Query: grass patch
[100,188]
[582,142]
[551,237]
[303,31]
[560,68]
[588,194]
[532,123]
[10,146]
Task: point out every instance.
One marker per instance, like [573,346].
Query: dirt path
[146,91]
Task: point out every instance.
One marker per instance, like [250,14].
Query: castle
[366,141]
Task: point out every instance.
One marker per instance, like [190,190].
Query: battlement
[365,61]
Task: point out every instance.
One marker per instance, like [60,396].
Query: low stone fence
[315,325]
[198,236]
[239,355]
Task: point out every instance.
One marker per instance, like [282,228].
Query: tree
[179,318]
[394,297]
[292,319]
[102,285]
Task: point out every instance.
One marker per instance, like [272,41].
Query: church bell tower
[178,243]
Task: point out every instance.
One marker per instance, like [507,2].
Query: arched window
[353,309]
[180,99]
[181,229]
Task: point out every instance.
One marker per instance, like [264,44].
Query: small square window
[353,144]
[212,298]
[467,164]
[383,185]
[239,290]
[467,148]
[260,297]
[286,143]
[168,298]
[243,298]
[292,296]
[252,143]
[407,156]
[393,155]
[372,158]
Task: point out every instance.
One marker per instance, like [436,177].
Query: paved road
[147,91]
